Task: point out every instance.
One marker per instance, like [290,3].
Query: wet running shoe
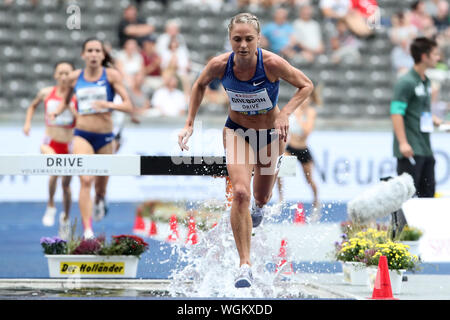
[88,234]
[244,278]
[257,214]
[316,213]
[100,210]
[48,219]
[64,227]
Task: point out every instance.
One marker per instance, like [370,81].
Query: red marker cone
[174,235]
[192,237]
[153,230]
[139,224]
[283,260]
[299,217]
[382,288]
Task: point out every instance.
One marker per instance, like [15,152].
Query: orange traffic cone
[382,288]
[153,230]
[174,235]
[192,237]
[283,261]
[299,217]
[139,224]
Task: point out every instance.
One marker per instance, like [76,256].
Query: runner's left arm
[281,69]
[115,79]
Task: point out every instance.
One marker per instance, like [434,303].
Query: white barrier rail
[121,165]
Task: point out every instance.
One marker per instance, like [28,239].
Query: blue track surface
[21,255]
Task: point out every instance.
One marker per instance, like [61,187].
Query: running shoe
[64,227]
[316,213]
[48,219]
[88,234]
[100,210]
[257,214]
[244,278]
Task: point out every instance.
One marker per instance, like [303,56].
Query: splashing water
[212,264]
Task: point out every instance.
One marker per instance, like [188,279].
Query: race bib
[65,119]
[86,96]
[426,122]
[250,102]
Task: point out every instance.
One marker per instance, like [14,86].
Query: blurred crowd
[157,67]
[424,18]
[166,68]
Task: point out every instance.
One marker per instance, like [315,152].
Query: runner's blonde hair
[245,18]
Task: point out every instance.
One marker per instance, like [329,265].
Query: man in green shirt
[412,119]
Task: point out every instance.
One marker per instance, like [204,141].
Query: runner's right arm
[214,69]
[30,111]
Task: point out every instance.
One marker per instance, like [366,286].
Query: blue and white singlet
[88,92]
[255,96]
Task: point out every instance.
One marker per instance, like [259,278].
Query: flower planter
[413,247]
[396,277]
[92,266]
[355,273]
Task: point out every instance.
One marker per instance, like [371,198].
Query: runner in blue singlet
[94,87]
[255,131]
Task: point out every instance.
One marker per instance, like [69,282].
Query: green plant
[88,246]
[410,234]
[397,255]
[351,229]
[357,247]
[352,250]
[53,245]
[125,245]
[119,245]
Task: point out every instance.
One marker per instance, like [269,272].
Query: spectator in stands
[131,26]
[439,108]
[402,29]
[172,31]
[130,63]
[168,99]
[352,12]
[420,18]
[308,35]
[401,58]
[401,35]
[442,23]
[365,8]
[278,36]
[344,45]
[152,66]
[175,60]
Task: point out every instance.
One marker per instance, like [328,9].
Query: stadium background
[34,38]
